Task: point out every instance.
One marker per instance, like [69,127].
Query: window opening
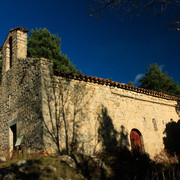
[14,135]
[10,52]
[154,124]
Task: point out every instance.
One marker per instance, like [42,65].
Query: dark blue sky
[105,47]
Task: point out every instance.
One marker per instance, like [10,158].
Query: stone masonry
[51,108]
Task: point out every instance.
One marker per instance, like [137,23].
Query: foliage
[131,83]
[158,81]
[42,43]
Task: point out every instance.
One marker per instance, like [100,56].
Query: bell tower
[14,47]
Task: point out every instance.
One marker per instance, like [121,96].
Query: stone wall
[102,116]
[21,102]
[20,98]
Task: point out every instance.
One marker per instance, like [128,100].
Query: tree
[158,81]
[42,43]
[131,83]
[132,8]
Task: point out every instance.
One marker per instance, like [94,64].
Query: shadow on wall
[111,140]
[178,108]
[65,101]
[171,141]
[123,163]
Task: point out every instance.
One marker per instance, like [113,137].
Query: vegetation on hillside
[37,166]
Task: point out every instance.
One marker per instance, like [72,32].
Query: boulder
[77,159]
[60,178]
[23,166]
[165,157]
[9,176]
[53,168]
[2,158]
[21,163]
[68,160]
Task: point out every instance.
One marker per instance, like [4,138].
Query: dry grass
[120,166]
[38,166]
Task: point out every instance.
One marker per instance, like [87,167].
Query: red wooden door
[135,141]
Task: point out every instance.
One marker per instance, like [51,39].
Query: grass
[39,167]
[118,166]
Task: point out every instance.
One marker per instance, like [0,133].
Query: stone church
[42,109]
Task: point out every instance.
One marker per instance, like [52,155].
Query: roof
[20,29]
[15,29]
[114,84]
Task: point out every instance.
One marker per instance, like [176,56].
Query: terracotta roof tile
[114,83]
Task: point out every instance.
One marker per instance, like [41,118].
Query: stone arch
[136,140]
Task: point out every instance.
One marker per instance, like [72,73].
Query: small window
[14,135]
[154,124]
[10,52]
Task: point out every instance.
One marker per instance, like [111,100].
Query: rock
[60,178]
[2,158]
[102,165]
[9,176]
[77,159]
[165,157]
[53,168]
[68,160]
[23,166]
[23,169]
[21,163]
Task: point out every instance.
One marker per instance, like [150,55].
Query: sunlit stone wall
[104,115]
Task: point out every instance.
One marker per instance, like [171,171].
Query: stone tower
[14,47]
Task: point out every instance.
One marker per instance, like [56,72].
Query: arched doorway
[136,141]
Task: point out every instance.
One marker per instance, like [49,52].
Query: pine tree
[158,81]
[42,43]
